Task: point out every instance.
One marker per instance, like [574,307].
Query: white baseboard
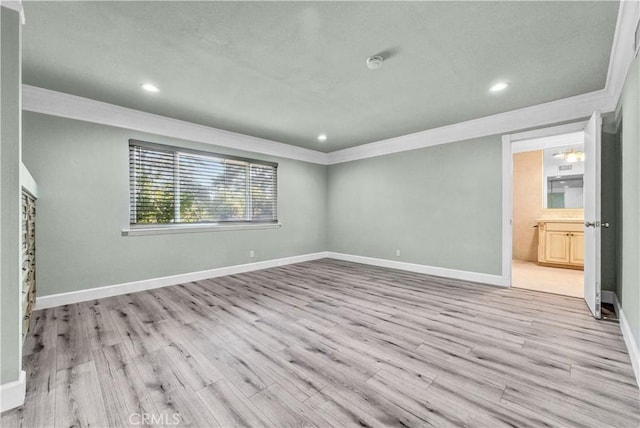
[483,278]
[12,393]
[632,346]
[54,300]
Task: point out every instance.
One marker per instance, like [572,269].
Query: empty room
[319,214]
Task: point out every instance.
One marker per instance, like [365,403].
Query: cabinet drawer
[563,227]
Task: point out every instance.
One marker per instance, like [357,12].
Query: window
[170,185]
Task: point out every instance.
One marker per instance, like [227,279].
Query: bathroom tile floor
[529,275]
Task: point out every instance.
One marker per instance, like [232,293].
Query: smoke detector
[374,62]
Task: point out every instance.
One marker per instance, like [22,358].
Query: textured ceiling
[287,71]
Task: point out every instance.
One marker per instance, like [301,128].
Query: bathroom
[548,216]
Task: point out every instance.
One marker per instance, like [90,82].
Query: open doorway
[563,236]
[548,215]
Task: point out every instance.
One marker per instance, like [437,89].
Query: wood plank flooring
[326,344]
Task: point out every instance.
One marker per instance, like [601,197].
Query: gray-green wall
[609,202]
[440,206]
[629,233]
[82,174]
[10,295]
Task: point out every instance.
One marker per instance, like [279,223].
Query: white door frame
[522,142]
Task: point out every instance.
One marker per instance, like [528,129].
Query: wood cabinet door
[556,247]
[576,254]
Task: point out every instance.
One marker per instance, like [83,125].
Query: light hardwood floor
[327,343]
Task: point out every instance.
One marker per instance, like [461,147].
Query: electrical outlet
[397,253]
[252,254]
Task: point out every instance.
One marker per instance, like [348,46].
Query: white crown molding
[566,109]
[54,300]
[14,5]
[45,101]
[622,52]
[12,393]
[481,278]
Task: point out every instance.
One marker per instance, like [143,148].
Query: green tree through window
[172,186]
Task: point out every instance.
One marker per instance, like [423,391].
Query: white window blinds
[170,185]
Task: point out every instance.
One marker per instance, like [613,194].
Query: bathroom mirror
[563,177]
[565,192]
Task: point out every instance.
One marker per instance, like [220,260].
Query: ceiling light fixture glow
[322,138]
[149,87]
[570,156]
[499,86]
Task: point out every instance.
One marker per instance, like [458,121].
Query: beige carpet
[568,282]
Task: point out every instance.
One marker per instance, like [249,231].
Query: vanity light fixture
[322,138]
[149,87]
[570,156]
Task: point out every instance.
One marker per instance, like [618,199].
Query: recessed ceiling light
[150,87]
[499,86]
[322,138]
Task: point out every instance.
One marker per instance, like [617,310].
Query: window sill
[169,230]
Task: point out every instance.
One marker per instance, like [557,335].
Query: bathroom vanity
[561,242]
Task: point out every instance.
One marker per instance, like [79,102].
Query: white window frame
[173,228]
